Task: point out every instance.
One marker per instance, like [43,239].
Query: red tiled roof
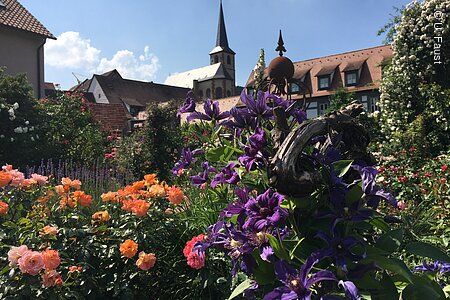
[13,14]
[367,61]
[118,90]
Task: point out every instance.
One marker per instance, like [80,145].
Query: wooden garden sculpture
[291,171]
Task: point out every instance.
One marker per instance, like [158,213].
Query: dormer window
[295,88]
[216,59]
[324,82]
[351,78]
[228,60]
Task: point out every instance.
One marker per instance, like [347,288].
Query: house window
[323,108]
[228,60]
[324,82]
[208,93]
[228,93]
[218,92]
[351,78]
[134,110]
[216,59]
[373,104]
[295,88]
[200,93]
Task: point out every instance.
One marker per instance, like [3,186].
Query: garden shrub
[69,132]
[19,120]
[153,148]
[416,82]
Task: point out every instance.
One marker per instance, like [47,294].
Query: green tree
[340,98]
[69,131]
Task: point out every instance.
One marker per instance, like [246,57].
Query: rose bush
[57,241]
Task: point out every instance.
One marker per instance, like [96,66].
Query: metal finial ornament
[280,47]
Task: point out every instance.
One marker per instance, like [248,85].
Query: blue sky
[149,39]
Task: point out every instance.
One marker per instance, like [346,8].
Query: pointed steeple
[222,40]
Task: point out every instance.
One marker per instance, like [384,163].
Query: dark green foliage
[17,112]
[68,130]
[340,98]
[154,148]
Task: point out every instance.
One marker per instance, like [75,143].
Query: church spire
[222,40]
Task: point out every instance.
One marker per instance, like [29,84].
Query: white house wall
[97,91]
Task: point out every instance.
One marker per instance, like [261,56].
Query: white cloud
[71,51]
[142,68]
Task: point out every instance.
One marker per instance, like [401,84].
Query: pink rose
[51,278]
[15,253]
[401,205]
[17,177]
[40,179]
[31,262]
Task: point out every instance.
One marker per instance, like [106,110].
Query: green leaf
[278,248]
[427,250]
[292,252]
[420,291]
[219,154]
[390,241]
[380,224]
[354,194]
[241,288]
[341,167]
[394,265]
[386,289]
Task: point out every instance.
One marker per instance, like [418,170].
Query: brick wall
[110,116]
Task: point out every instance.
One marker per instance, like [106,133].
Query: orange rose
[101,216]
[140,208]
[146,261]
[82,198]
[109,196]
[85,200]
[157,190]
[128,248]
[49,230]
[5,178]
[138,185]
[51,259]
[3,208]
[175,195]
[75,269]
[76,184]
[150,179]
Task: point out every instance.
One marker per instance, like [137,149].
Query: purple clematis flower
[212,112]
[351,291]
[297,283]
[253,150]
[265,211]
[340,249]
[227,175]
[242,118]
[201,178]
[188,106]
[374,192]
[257,107]
[187,157]
[436,266]
[237,207]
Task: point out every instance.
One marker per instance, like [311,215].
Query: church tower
[223,54]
